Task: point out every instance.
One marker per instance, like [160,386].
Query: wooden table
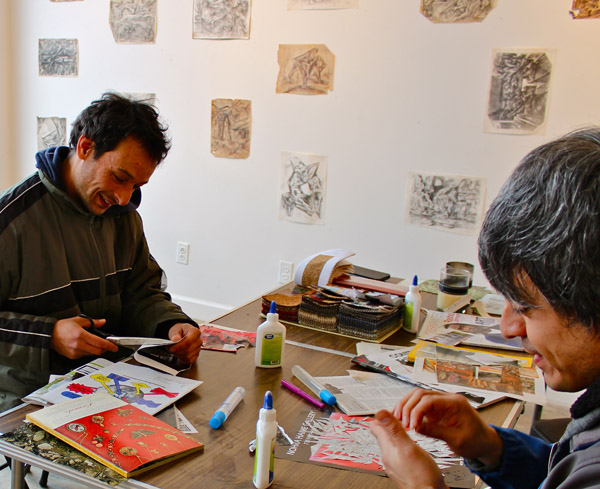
[226,461]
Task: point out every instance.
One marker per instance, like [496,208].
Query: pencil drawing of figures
[305,69]
[58,57]
[519,91]
[320,4]
[146,97]
[231,121]
[221,19]
[302,188]
[133,21]
[586,9]
[449,202]
[456,11]
[51,131]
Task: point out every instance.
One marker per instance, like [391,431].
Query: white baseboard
[199,309]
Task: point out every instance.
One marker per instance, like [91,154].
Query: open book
[114,433]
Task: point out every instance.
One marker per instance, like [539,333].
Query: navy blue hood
[49,161]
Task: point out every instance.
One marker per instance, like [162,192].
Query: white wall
[408,95]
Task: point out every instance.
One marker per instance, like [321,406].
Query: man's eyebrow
[129,175]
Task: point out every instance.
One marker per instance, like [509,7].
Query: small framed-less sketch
[321,4]
[305,69]
[586,9]
[146,97]
[216,19]
[51,131]
[456,11]
[448,202]
[302,188]
[58,57]
[133,21]
[519,91]
[231,121]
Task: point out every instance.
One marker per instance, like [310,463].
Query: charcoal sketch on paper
[305,69]
[585,9]
[321,4]
[133,21]
[51,131]
[231,121]
[519,90]
[58,57]
[448,202]
[456,11]
[302,188]
[146,97]
[221,19]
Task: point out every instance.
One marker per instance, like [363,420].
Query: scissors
[92,329]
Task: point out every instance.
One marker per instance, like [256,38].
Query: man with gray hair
[540,247]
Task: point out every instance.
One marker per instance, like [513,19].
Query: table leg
[17,470]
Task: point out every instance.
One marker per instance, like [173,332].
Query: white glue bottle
[412,307]
[270,340]
[266,432]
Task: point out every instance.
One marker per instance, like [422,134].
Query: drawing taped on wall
[133,21]
[216,19]
[321,4]
[519,91]
[305,69]
[231,121]
[51,131]
[456,11]
[302,188]
[448,202]
[586,9]
[58,57]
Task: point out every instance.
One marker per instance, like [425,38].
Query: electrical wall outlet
[285,271]
[183,252]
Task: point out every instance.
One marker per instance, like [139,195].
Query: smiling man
[540,247]
[73,252]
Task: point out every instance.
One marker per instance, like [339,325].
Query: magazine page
[453,328]
[523,383]
[144,387]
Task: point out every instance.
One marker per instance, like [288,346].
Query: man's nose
[512,323]
[123,196]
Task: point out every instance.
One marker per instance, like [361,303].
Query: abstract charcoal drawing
[218,19]
[519,89]
[305,69]
[231,121]
[58,57]
[133,21]
[448,202]
[456,11]
[51,131]
[586,9]
[302,188]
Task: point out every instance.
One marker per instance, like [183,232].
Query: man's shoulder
[19,198]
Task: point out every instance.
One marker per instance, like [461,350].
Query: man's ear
[85,148]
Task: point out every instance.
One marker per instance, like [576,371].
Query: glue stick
[266,432]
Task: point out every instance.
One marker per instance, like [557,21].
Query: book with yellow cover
[115,433]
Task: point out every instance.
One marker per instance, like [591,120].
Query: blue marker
[227,407]
[313,385]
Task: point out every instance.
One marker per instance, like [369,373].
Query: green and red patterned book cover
[115,433]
